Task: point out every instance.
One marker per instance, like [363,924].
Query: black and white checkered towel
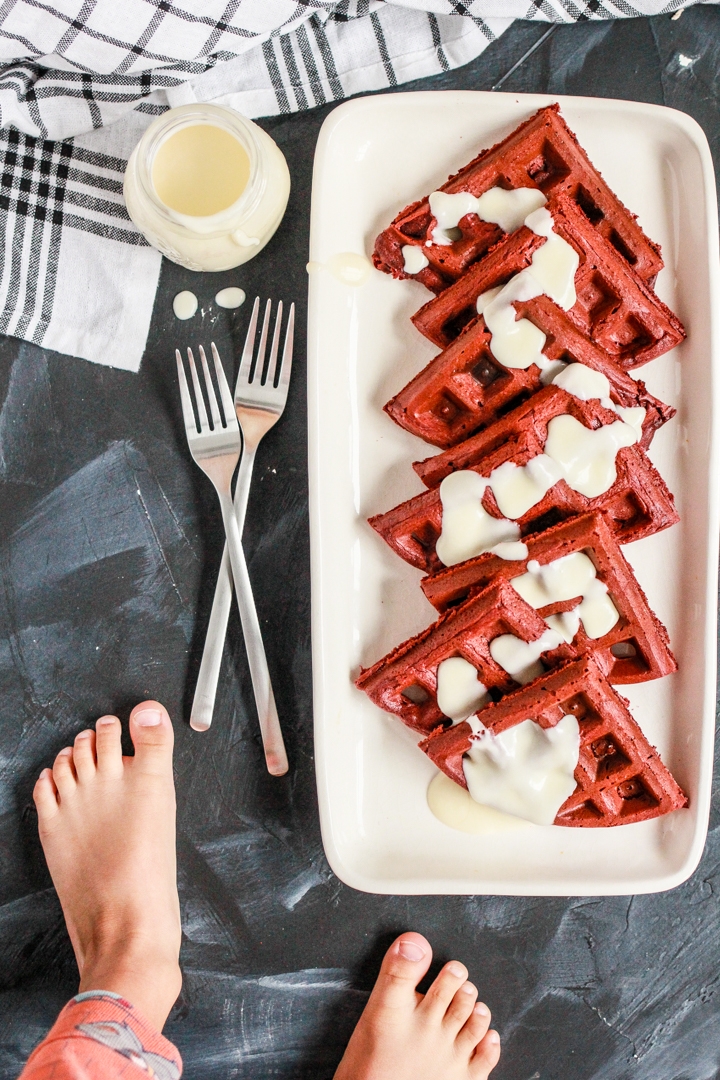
[80,80]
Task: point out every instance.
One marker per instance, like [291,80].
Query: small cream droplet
[185,304]
[230,298]
[350,268]
[346,266]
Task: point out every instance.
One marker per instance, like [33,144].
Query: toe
[84,755]
[475,1027]
[461,1006]
[404,965]
[107,746]
[64,773]
[152,735]
[485,1057]
[443,990]
[45,797]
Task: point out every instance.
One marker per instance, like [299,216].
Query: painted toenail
[148,717]
[456,969]
[105,721]
[481,1009]
[410,950]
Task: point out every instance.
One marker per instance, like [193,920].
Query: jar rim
[185,116]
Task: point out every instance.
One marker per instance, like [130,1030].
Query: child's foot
[107,826]
[402,1035]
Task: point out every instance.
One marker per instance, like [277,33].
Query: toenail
[492,1037]
[456,969]
[410,950]
[467,988]
[83,735]
[147,717]
[481,1009]
[105,721]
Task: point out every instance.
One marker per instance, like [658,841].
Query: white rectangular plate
[374,156]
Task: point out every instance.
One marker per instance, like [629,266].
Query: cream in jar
[206,186]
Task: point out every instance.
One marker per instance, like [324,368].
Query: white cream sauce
[585,384]
[467,528]
[565,624]
[634,417]
[457,809]
[230,298]
[583,457]
[459,691]
[527,770]
[414,259]
[564,579]
[185,304]
[521,659]
[346,266]
[518,343]
[508,209]
[519,487]
[586,457]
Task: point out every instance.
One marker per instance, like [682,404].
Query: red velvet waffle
[620,777]
[614,307]
[635,650]
[638,504]
[405,681]
[542,153]
[465,388]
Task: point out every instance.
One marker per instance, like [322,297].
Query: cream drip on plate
[459,691]
[508,209]
[527,771]
[347,266]
[456,808]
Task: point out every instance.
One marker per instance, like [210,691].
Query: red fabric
[100,1036]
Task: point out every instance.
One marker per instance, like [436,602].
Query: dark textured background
[109,542]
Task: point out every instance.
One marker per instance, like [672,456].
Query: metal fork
[216,450]
[258,406]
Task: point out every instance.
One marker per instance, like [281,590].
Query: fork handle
[275,755]
[203,704]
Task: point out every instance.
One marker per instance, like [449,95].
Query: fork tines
[253,370]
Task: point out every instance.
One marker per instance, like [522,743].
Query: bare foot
[107,826]
[403,1035]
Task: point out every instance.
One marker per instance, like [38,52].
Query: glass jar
[220,240]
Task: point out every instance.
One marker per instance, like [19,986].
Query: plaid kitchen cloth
[80,80]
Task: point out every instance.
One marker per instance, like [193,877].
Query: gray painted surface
[109,541]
